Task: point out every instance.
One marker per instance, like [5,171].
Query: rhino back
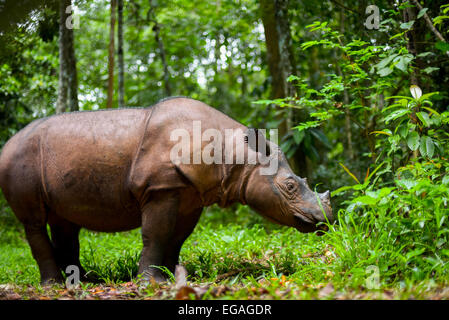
[168,116]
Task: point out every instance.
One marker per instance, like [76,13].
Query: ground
[231,254]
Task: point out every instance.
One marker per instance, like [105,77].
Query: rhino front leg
[184,227]
[158,226]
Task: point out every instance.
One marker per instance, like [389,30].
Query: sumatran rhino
[116,170]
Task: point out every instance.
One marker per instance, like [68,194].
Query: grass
[247,257]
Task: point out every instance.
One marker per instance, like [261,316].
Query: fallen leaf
[185,293]
[388,294]
[97,291]
[13,296]
[227,275]
[262,291]
[6,287]
[326,291]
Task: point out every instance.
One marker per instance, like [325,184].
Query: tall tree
[121,77]
[71,70]
[281,64]
[410,17]
[68,79]
[151,16]
[348,130]
[111,55]
[61,104]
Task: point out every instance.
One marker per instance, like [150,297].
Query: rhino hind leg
[158,226]
[26,203]
[65,240]
[43,253]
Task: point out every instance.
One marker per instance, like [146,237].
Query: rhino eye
[290,186]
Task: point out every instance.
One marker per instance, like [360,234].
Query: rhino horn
[325,197]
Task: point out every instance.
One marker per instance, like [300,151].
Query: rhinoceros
[113,170]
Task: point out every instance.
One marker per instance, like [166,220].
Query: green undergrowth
[240,250]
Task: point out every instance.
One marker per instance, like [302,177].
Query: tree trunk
[111,55]
[72,73]
[161,48]
[350,151]
[281,65]
[151,16]
[121,78]
[61,104]
[409,15]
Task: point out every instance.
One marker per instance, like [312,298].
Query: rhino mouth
[305,219]
[308,224]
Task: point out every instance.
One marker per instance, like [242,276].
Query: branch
[345,7]
[429,22]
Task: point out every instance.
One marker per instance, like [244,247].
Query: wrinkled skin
[111,171]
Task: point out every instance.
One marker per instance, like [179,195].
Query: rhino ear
[256,140]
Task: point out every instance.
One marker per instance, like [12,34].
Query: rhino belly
[85,171]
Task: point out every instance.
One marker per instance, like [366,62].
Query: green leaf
[403,131]
[298,136]
[384,72]
[445,179]
[413,140]
[349,172]
[402,62]
[407,25]
[307,125]
[293,78]
[263,101]
[431,111]
[439,19]
[341,189]
[415,253]
[422,12]
[397,35]
[384,192]
[396,114]
[442,46]
[386,61]
[429,70]
[427,147]
[425,54]
[428,95]
[406,183]
[424,117]
[365,200]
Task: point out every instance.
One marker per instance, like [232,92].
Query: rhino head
[285,198]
